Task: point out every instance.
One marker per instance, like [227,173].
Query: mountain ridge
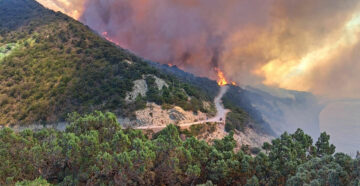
[52,65]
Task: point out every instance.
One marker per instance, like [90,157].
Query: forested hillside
[51,65]
[242,115]
[94,150]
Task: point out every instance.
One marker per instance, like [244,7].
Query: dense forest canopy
[95,150]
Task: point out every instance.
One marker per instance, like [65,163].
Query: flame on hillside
[276,43]
[221,78]
[106,36]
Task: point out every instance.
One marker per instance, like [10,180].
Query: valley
[76,108]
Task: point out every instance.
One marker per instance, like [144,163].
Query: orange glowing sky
[295,73]
[310,45]
[73,8]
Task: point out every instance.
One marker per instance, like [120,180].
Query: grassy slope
[58,65]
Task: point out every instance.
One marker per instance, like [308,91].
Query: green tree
[226,144]
[94,150]
[253,182]
[287,153]
[266,146]
[323,146]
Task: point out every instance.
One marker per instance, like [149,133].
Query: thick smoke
[190,34]
[305,45]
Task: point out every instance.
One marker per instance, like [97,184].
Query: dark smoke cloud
[190,34]
[253,41]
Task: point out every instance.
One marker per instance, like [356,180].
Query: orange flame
[106,36]
[221,78]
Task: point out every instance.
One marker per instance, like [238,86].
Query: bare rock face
[247,137]
[176,115]
[140,88]
[252,138]
[160,82]
[154,115]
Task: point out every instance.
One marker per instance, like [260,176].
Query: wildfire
[106,36]
[221,78]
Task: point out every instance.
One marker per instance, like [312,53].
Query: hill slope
[51,65]
[243,114]
[287,110]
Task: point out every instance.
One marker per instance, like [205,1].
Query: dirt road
[219,118]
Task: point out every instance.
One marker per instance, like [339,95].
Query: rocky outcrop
[140,88]
[160,83]
[247,137]
[154,115]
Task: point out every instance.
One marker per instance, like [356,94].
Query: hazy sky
[310,45]
[341,120]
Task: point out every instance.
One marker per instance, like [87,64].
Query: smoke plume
[310,45]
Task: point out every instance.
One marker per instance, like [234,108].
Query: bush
[255,150]
[236,120]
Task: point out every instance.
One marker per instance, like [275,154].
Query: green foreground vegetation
[95,150]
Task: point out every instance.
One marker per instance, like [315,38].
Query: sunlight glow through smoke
[292,74]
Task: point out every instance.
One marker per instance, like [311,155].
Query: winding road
[219,118]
